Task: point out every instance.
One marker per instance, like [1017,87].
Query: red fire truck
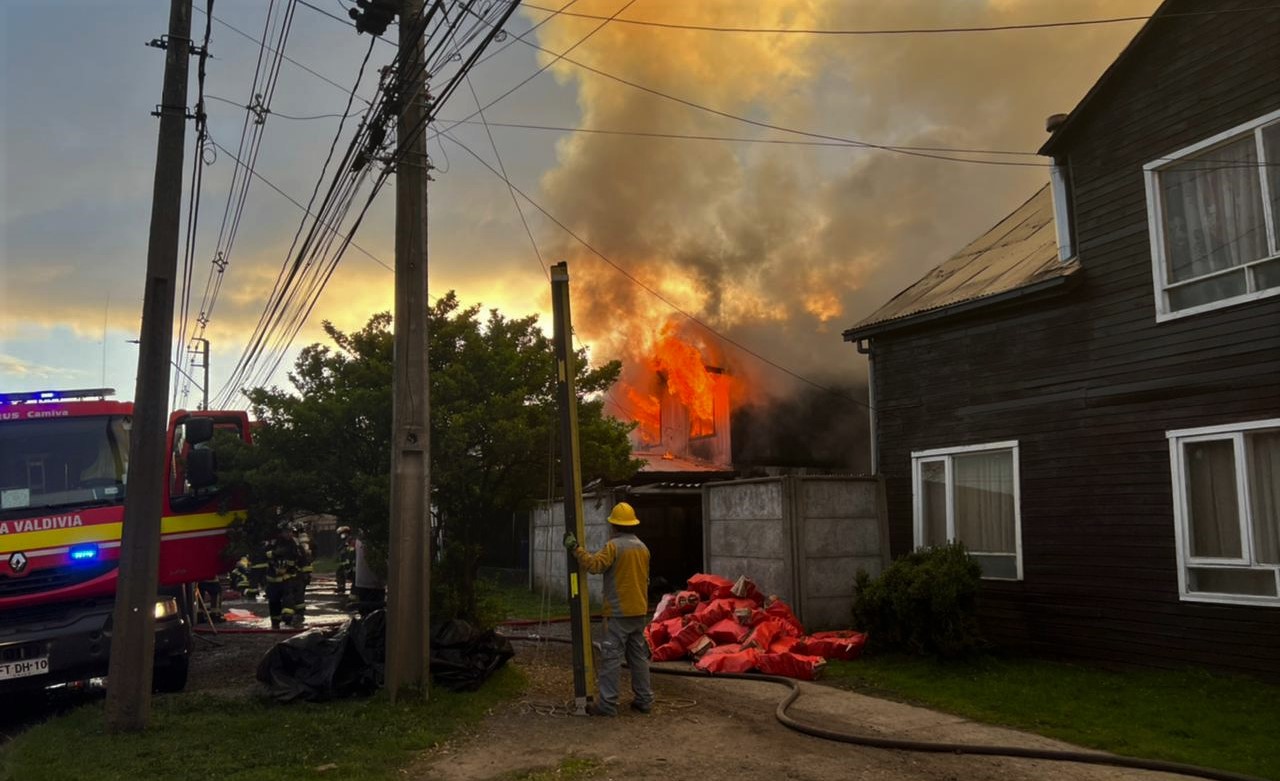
[63,480]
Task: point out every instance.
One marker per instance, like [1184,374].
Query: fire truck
[64,477]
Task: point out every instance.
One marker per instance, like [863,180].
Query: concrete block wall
[838,532]
[548,563]
[747,531]
[802,538]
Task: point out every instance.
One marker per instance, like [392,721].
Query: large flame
[672,364]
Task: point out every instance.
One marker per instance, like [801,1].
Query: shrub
[925,603]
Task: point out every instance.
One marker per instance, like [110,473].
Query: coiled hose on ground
[899,744]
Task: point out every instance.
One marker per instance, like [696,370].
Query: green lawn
[203,736]
[1189,716]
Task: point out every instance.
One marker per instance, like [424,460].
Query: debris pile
[731,627]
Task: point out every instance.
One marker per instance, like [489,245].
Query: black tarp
[345,661]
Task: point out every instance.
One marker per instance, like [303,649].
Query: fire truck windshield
[57,462]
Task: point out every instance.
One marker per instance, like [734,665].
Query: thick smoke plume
[781,247]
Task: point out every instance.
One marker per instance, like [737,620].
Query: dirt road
[712,730]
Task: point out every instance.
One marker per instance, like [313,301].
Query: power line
[657,294]
[900,30]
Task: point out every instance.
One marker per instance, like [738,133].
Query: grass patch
[203,736]
[569,769]
[1190,716]
[512,603]
[326,564]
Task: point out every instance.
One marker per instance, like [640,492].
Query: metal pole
[133,622]
[584,680]
[409,582]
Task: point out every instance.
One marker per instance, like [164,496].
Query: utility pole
[584,680]
[133,621]
[204,353]
[409,581]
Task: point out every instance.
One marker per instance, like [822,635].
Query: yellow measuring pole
[584,678]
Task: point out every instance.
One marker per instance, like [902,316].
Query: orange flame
[687,379]
[647,411]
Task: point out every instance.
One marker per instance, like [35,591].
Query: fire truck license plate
[24,668]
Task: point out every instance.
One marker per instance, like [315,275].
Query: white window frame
[1155,222]
[1181,515]
[945,455]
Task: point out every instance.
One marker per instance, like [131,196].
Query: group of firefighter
[280,569]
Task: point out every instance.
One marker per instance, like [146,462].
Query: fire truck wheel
[171,676]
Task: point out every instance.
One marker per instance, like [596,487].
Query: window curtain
[984,506]
[1264,488]
[1213,217]
[1271,143]
[933,503]
[1212,499]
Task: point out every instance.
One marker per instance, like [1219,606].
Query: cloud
[27,370]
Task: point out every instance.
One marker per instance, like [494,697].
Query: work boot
[595,709]
[639,707]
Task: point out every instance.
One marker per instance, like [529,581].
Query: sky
[771,247]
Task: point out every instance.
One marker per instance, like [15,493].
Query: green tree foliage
[925,603]
[325,447]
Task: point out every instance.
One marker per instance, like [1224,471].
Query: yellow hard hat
[623,515]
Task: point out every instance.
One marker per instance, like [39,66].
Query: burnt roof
[1018,255]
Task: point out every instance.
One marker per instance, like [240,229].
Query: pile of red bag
[730,627]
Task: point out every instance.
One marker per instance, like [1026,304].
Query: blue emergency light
[82,553]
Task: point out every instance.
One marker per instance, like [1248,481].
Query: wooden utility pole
[133,622]
[409,584]
[584,680]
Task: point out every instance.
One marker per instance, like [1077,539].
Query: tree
[326,447]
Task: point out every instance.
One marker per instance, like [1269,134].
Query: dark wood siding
[1089,383]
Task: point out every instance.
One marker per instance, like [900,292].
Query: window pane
[1248,582]
[1271,143]
[999,566]
[1208,291]
[984,510]
[1263,448]
[1212,206]
[1213,509]
[933,502]
[1267,275]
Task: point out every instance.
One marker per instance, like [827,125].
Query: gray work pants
[624,636]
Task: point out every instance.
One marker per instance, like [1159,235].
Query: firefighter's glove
[570,541]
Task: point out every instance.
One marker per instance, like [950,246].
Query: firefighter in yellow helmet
[624,561]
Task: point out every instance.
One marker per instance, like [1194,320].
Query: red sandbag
[667,608]
[780,610]
[725,648]
[791,665]
[846,645]
[710,586]
[783,645]
[674,625]
[656,634]
[709,613]
[727,631]
[738,662]
[764,633]
[691,632]
[668,652]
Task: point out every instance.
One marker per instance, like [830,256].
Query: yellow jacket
[624,560]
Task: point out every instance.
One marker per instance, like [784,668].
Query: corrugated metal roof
[1020,250]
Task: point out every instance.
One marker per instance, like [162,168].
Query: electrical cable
[904,30]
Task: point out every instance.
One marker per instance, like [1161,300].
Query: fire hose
[981,749]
